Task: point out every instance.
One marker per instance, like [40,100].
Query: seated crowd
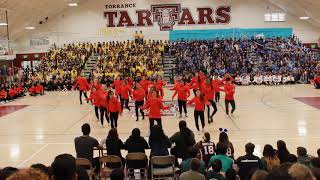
[252,60]
[199,160]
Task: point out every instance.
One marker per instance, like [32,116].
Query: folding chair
[167,170]
[106,161]
[137,161]
[87,165]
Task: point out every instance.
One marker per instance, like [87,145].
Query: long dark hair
[223,137]
[282,148]
[156,133]
[184,130]
[268,151]
[113,134]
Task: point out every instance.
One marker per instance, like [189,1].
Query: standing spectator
[84,146]
[193,173]
[183,140]
[248,162]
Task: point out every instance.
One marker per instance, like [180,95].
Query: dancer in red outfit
[154,104]
[144,83]
[217,83]
[39,89]
[138,95]
[94,99]
[154,84]
[208,91]
[102,104]
[125,92]
[200,101]
[183,93]
[96,84]
[83,85]
[229,90]
[116,85]
[114,109]
[196,82]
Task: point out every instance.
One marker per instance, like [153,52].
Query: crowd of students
[248,58]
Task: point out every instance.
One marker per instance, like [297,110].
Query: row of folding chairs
[136,166]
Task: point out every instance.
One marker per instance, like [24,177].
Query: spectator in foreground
[226,161]
[117,174]
[159,142]
[269,159]
[192,153]
[183,140]
[303,157]
[206,147]
[41,167]
[27,174]
[248,161]
[223,138]
[135,143]
[231,174]
[7,171]
[215,173]
[193,173]
[300,172]
[259,175]
[84,146]
[114,144]
[64,167]
[279,174]
[284,154]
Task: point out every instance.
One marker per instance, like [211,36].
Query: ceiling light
[73,4]
[30,27]
[304,17]
[3,24]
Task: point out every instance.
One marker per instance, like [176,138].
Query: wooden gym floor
[36,129]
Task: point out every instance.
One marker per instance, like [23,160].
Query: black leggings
[96,111]
[198,114]
[215,109]
[114,119]
[182,104]
[102,112]
[233,105]
[138,104]
[80,95]
[151,121]
[125,102]
[217,96]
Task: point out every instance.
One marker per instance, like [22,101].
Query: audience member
[270,158]
[84,146]
[226,161]
[259,175]
[223,138]
[193,173]
[7,171]
[159,142]
[64,167]
[206,147]
[117,174]
[300,172]
[248,161]
[183,140]
[215,173]
[135,143]
[27,174]
[284,154]
[192,153]
[114,144]
[303,157]
[231,174]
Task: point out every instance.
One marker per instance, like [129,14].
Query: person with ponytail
[208,91]
[200,101]
[114,109]
[93,98]
[195,82]
[101,102]
[83,85]
[155,105]
[138,95]
[116,85]
[229,90]
[183,93]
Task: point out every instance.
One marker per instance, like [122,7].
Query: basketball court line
[33,155]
